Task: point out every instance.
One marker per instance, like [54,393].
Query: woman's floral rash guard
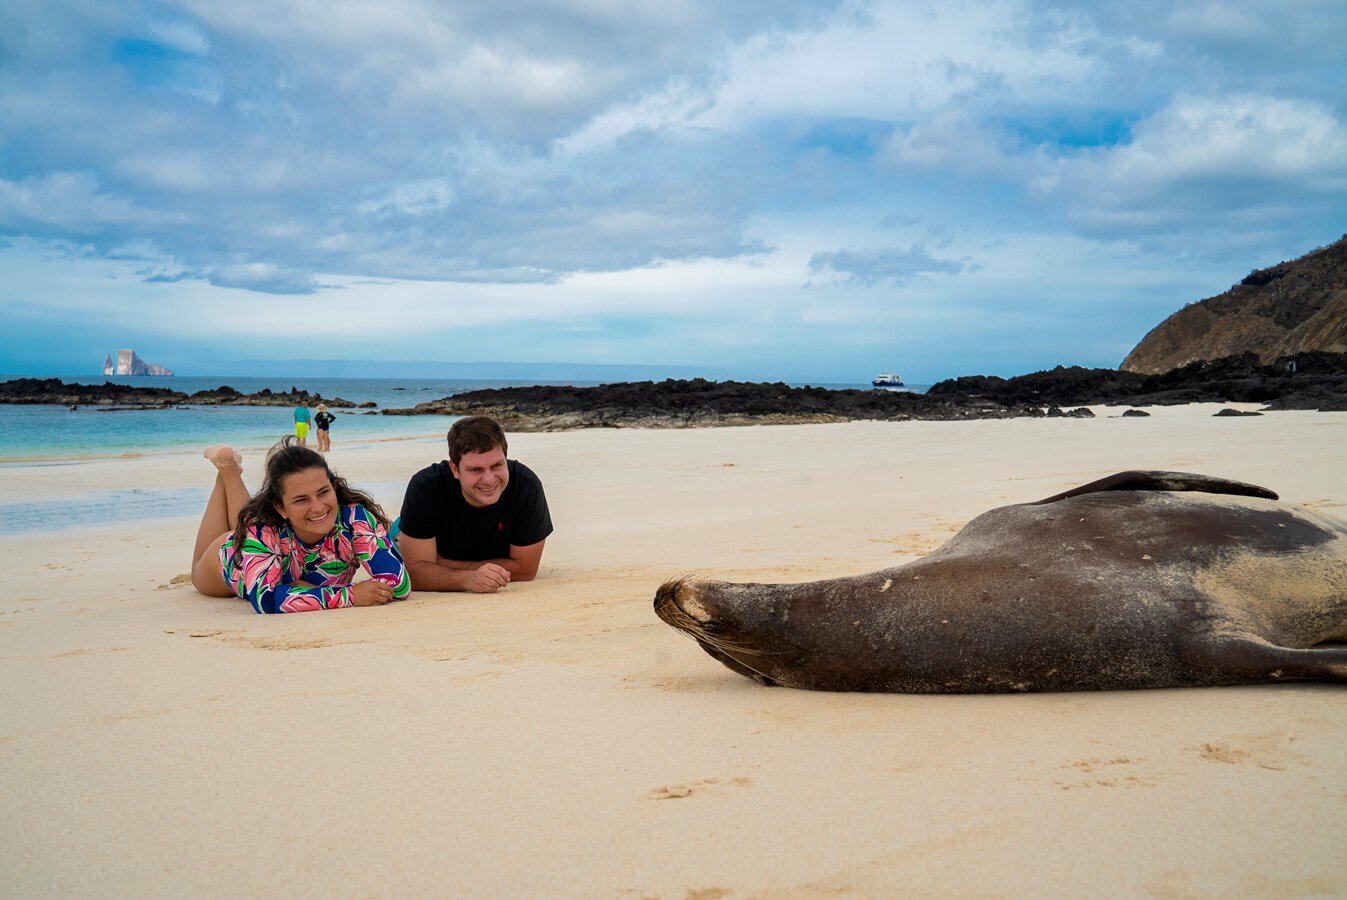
[277,573]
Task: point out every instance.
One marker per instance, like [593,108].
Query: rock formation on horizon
[1291,308]
[128,363]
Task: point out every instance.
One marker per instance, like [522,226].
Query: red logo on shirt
[500,526]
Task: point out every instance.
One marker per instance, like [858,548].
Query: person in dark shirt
[323,421]
[476,521]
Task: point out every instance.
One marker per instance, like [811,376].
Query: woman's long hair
[287,458]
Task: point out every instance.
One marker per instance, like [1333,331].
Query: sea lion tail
[1165,481]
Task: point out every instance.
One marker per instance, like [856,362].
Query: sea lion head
[734,623]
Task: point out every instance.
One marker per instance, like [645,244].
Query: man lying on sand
[476,521]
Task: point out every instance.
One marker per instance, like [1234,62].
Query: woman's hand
[370,593]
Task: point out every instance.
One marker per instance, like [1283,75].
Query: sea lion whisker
[695,632]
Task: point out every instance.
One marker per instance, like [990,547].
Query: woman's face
[308,503]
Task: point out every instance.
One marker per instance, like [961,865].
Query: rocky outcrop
[698,403]
[1307,381]
[54,391]
[1318,381]
[224,395]
[1285,310]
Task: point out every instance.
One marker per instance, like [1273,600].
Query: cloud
[261,277]
[182,36]
[72,203]
[410,199]
[882,267]
[953,139]
[1202,158]
[694,161]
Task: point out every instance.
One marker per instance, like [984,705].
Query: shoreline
[1099,411]
[74,459]
[140,503]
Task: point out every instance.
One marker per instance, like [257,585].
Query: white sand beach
[557,740]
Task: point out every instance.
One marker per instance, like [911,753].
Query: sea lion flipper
[1165,481]
[1242,660]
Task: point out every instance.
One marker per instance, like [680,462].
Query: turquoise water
[32,433]
[47,432]
[54,435]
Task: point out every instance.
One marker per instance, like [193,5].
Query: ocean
[43,433]
[33,433]
[54,435]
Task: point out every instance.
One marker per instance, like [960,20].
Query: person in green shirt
[302,424]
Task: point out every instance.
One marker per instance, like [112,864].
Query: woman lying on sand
[297,544]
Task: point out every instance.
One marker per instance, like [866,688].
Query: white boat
[888,379]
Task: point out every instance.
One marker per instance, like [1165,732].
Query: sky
[786,189]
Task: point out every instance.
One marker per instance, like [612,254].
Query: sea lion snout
[685,606]
[678,602]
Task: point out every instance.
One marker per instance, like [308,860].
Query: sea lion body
[1105,587]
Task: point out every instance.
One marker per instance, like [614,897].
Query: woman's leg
[226,499]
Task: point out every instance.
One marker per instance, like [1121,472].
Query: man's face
[483,476]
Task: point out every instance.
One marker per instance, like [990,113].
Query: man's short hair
[475,434]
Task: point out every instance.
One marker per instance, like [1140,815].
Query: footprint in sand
[1266,750]
[295,643]
[176,581]
[85,651]
[679,791]
[677,684]
[1094,772]
[132,716]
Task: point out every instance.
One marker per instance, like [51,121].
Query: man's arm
[522,563]
[428,575]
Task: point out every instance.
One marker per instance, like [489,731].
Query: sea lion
[1138,580]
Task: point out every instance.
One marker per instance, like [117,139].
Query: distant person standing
[323,421]
[302,424]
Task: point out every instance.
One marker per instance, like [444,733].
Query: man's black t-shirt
[434,507]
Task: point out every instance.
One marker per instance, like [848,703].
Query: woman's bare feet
[225,457]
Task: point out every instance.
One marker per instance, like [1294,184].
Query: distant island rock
[54,391]
[1318,382]
[128,363]
[1282,311]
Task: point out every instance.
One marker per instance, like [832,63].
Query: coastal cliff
[1282,311]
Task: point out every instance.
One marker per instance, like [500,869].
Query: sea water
[45,432]
[43,435]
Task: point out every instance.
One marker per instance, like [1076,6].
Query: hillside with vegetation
[1291,308]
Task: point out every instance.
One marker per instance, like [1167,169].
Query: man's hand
[487,579]
[370,593]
